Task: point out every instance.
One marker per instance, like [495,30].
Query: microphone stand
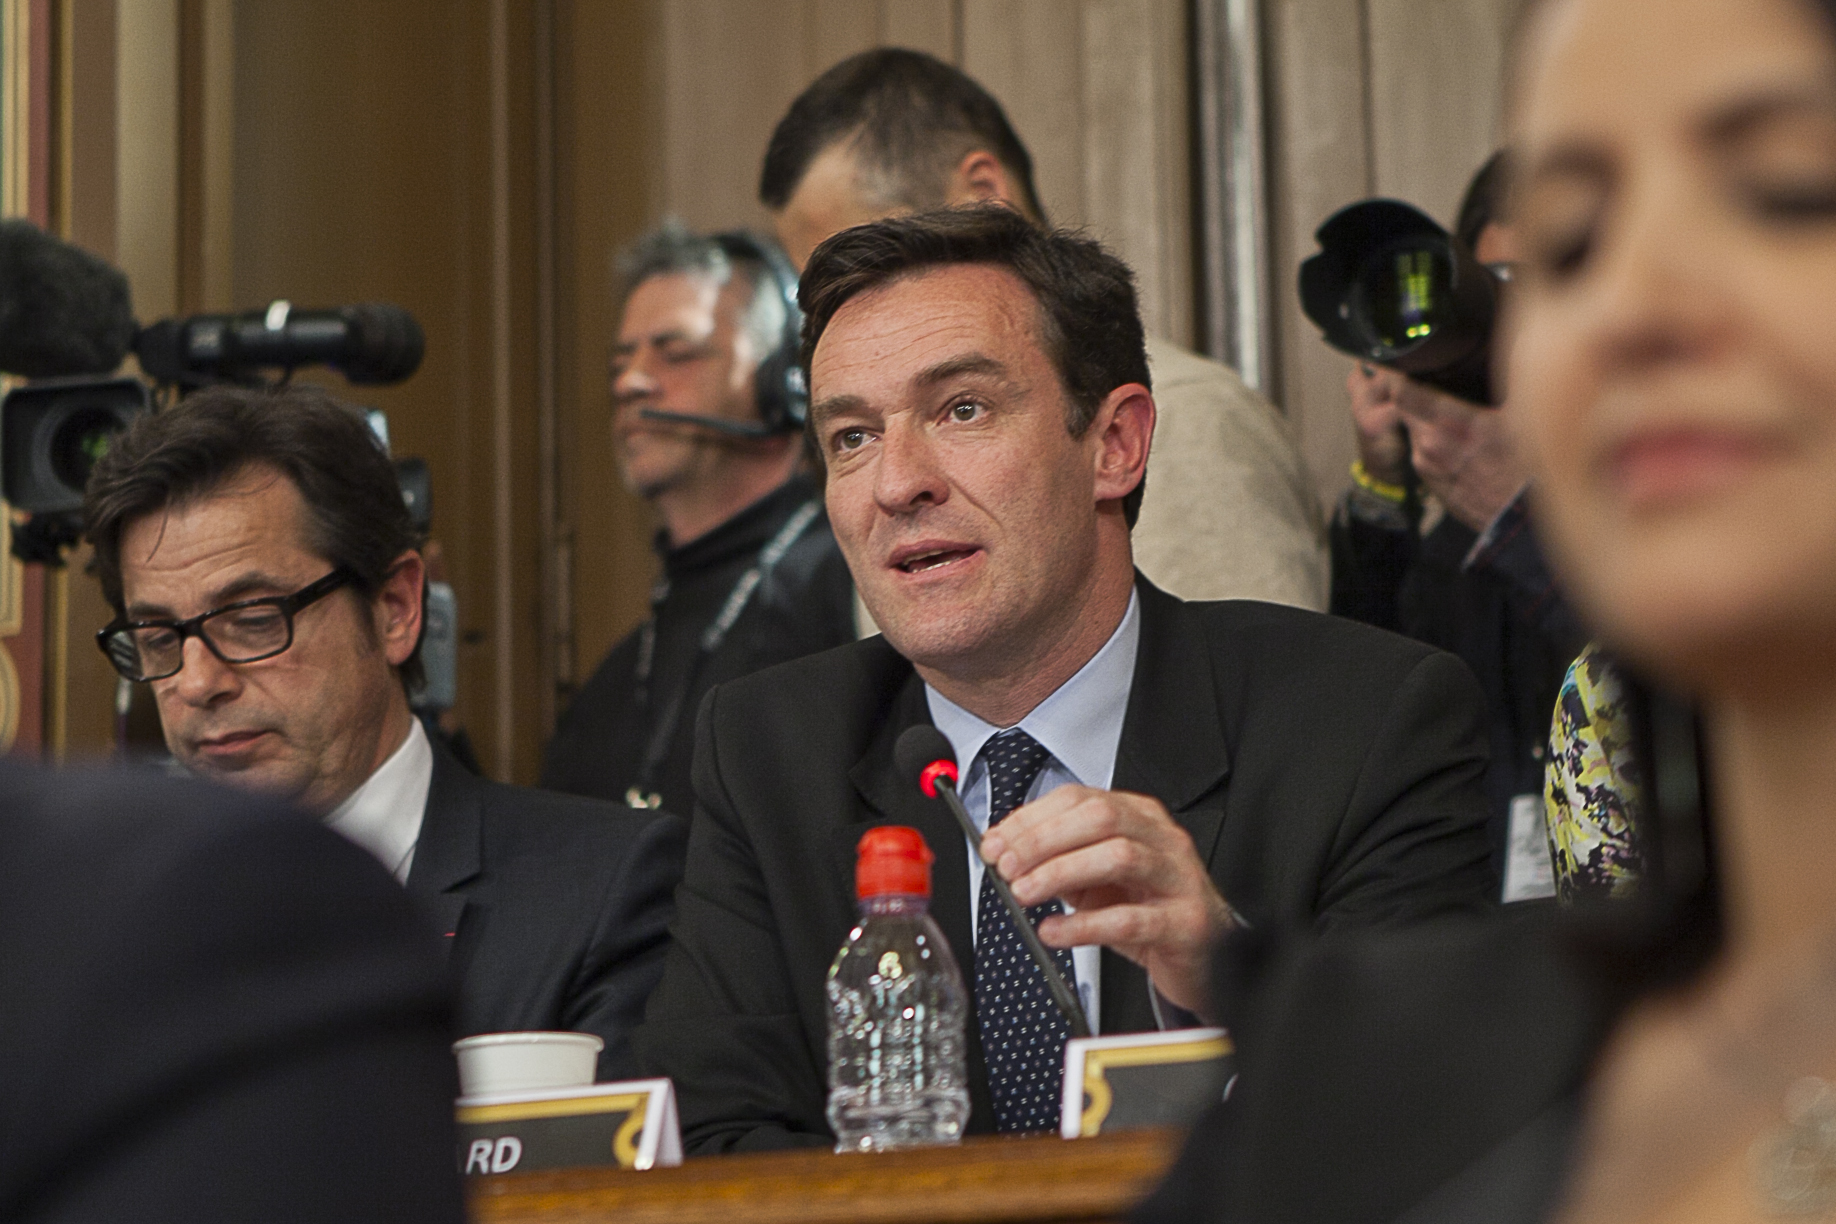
[1055,982]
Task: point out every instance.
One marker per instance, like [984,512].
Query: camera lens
[1401,295]
[79,440]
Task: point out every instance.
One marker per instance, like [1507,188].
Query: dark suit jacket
[556,908]
[1329,775]
[1431,1075]
[211,1010]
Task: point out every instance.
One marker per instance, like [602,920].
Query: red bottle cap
[893,859]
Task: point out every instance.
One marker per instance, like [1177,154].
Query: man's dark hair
[356,518]
[1089,324]
[910,117]
[1485,199]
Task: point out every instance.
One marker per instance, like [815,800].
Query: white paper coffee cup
[491,1063]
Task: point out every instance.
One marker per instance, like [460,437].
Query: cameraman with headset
[707,426]
[1474,582]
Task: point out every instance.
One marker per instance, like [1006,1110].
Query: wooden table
[1018,1181]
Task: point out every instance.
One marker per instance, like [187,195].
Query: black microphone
[62,310]
[737,429]
[371,343]
[923,754]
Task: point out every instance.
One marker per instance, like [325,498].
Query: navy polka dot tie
[1023,1032]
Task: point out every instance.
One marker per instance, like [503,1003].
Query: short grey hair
[672,248]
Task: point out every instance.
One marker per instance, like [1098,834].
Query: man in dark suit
[1152,773]
[213,1010]
[268,585]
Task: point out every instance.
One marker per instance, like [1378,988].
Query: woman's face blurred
[1673,361]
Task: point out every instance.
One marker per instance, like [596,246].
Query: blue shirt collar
[1080,724]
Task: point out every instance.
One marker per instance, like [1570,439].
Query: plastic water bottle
[897,1007]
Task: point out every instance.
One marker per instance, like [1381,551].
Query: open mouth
[230,741]
[921,562]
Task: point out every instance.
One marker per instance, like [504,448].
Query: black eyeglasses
[243,632]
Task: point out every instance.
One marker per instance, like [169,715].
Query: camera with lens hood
[1392,287]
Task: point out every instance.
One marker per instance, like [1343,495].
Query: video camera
[53,430]
[67,322]
[1390,286]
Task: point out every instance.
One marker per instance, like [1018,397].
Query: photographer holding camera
[1474,582]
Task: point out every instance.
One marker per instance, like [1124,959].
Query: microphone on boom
[924,755]
[371,343]
[735,429]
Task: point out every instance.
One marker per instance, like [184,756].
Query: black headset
[778,386]
[784,398]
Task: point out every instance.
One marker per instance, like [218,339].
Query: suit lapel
[1173,747]
[1172,743]
[448,854]
[891,799]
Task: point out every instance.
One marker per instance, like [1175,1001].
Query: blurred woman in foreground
[1675,343]
[1673,360]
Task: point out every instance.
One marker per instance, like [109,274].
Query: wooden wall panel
[1097,90]
[1436,96]
[87,211]
[1319,161]
[363,151]
[1137,150]
[147,153]
[611,115]
[1030,55]
[926,25]
[730,70]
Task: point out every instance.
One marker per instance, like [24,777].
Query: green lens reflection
[1403,292]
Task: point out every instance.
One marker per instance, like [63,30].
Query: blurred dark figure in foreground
[212,1011]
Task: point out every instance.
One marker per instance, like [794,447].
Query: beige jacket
[1228,513]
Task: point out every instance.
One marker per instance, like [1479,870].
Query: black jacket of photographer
[630,735]
[1490,600]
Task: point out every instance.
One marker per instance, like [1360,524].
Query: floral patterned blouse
[1592,785]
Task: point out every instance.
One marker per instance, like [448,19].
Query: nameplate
[627,1125]
[1142,1079]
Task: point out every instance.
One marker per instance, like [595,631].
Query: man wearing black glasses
[268,585]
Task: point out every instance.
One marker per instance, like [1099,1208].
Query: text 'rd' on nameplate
[629,1125]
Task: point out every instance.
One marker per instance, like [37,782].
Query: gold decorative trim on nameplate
[632,1126]
[12,578]
[9,700]
[1099,1061]
[523,1111]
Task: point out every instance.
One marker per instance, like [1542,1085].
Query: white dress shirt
[1080,725]
[384,814]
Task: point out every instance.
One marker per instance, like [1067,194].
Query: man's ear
[397,607]
[1124,428]
[979,178]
